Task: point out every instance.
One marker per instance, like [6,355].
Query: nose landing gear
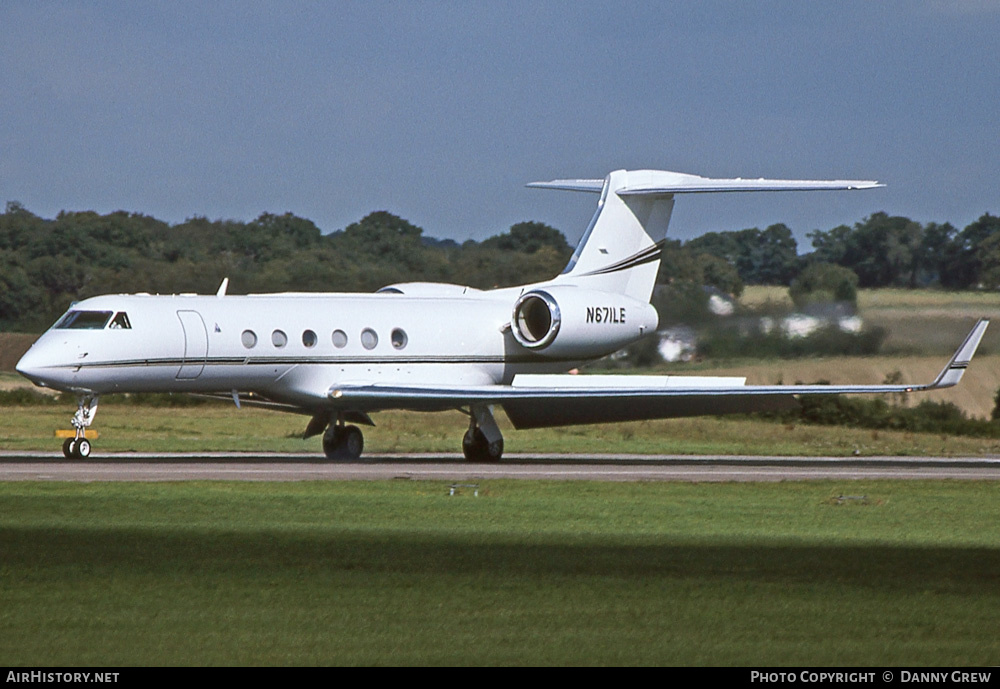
[78,447]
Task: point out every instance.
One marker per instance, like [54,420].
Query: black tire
[353,443]
[82,449]
[331,438]
[69,448]
[343,443]
[472,445]
[494,451]
[476,448]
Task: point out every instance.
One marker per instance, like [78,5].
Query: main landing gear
[78,447]
[483,441]
[343,443]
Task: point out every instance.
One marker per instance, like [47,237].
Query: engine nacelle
[565,321]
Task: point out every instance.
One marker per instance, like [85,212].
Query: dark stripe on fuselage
[334,361]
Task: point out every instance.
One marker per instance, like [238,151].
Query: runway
[140,466]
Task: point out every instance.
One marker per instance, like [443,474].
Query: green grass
[224,428]
[527,573]
[916,300]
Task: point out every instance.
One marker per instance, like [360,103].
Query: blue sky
[441,111]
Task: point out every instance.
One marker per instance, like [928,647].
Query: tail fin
[620,251]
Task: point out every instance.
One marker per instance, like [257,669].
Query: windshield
[84,320]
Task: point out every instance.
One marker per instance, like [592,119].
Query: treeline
[47,264]
[881,251]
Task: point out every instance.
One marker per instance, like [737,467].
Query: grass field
[528,573]
[224,428]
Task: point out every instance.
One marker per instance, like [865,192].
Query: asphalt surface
[140,466]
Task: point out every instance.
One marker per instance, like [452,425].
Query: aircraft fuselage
[293,348]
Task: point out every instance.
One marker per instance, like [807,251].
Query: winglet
[952,373]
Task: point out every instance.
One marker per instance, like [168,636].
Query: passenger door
[195,345]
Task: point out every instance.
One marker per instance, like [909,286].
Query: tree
[988,257]
[768,257]
[272,236]
[963,264]
[20,296]
[18,226]
[882,250]
[378,226]
[824,282]
[529,237]
[935,253]
[680,263]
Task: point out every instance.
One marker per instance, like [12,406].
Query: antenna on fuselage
[222,288]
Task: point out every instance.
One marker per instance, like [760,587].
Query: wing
[538,401]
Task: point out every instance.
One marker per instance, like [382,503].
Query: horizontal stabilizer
[658,182]
[591,185]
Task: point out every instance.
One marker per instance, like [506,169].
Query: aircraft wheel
[343,443]
[69,448]
[82,449]
[330,438]
[472,444]
[476,448]
[353,443]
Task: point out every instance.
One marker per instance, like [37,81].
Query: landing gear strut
[343,443]
[78,447]
[483,441]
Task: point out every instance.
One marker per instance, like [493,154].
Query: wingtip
[952,373]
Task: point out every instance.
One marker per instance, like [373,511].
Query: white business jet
[429,347]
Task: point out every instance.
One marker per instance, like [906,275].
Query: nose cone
[30,367]
[40,365]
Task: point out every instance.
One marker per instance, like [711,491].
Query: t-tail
[620,251]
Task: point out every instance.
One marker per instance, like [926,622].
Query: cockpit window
[84,320]
[120,322]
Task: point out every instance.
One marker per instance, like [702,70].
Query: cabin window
[369,339]
[279,339]
[249,339]
[120,322]
[84,320]
[339,339]
[399,338]
[309,338]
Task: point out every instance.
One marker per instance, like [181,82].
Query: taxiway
[138,466]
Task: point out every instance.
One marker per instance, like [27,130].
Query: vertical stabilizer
[620,251]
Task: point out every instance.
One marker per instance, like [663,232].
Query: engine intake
[536,320]
[566,321]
